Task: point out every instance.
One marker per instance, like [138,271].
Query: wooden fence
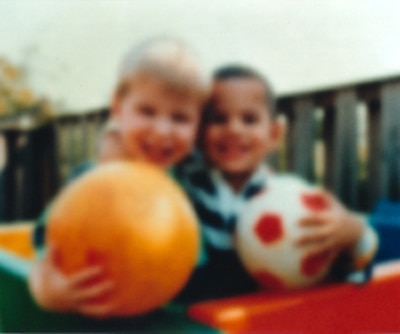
[357,128]
[346,138]
[39,156]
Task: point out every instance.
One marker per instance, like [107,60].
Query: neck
[237,180]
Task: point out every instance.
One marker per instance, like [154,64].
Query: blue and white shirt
[217,205]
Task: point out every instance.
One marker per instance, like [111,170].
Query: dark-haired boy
[239,132]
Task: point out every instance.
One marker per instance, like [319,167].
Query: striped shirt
[218,206]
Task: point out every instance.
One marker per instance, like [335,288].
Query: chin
[238,170]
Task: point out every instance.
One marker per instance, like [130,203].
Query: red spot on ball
[315,202]
[268,280]
[312,264]
[269,228]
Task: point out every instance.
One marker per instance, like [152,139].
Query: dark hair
[236,71]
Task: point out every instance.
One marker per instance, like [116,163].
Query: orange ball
[135,222]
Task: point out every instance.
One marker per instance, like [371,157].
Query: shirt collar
[255,184]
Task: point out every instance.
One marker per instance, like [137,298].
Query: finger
[315,236]
[313,263]
[313,220]
[327,195]
[320,247]
[96,291]
[324,250]
[86,275]
[96,310]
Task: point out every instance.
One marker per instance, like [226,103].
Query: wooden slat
[28,172]
[303,138]
[37,168]
[343,164]
[62,131]
[84,151]
[10,175]
[389,176]
[49,166]
[374,162]
[71,149]
[328,135]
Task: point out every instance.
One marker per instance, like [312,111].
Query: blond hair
[170,60]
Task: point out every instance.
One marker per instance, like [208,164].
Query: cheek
[134,123]
[132,132]
[186,135]
[263,141]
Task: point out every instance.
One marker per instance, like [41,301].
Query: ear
[277,131]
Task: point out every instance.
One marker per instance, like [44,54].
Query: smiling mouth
[232,151]
[158,155]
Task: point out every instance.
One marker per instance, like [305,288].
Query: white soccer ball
[267,229]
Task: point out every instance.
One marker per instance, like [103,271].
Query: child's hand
[84,292]
[331,231]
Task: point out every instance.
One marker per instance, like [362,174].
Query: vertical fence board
[28,172]
[30,177]
[374,152]
[328,139]
[84,152]
[288,154]
[345,150]
[3,162]
[63,148]
[390,142]
[93,135]
[39,167]
[71,148]
[10,175]
[303,138]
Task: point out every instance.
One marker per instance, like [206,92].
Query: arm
[84,292]
[364,250]
[338,230]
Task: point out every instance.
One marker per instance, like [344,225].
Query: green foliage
[15,94]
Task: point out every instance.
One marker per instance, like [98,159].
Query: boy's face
[239,132]
[157,124]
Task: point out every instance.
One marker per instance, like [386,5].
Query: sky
[73,47]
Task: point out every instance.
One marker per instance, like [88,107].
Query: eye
[146,110]
[181,117]
[250,118]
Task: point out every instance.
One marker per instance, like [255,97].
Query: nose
[234,126]
[162,127]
